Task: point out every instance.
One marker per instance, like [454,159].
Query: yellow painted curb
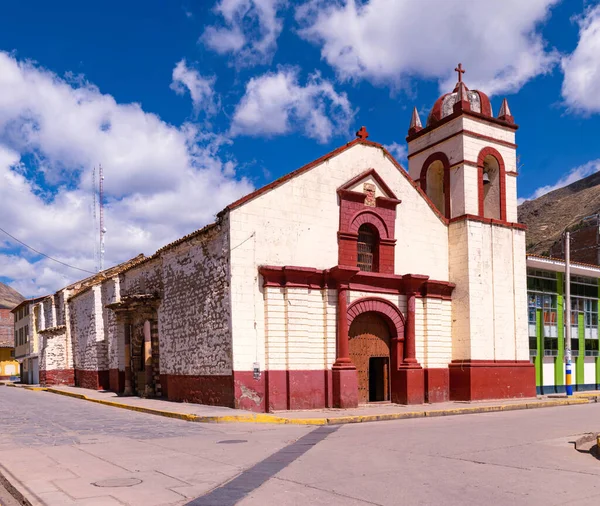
[339,420]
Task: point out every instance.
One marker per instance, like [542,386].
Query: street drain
[232,441]
[118,482]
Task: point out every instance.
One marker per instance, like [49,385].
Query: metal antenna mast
[95,218]
[102,228]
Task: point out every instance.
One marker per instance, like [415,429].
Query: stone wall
[90,348]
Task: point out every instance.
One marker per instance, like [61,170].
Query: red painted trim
[489,221]
[372,173]
[94,380]
[354,213]
[468,133]
[215,390]
[489,151]
[368,217]
[116,380]
[57,377]
[472,115]
[437,385]
[483,379]
[441,157]
[311,278]
[390,313]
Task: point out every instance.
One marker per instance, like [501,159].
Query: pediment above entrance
[370,184]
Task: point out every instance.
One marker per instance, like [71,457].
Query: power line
[44,254]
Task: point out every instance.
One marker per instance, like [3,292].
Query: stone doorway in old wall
[369,348]
[144,353]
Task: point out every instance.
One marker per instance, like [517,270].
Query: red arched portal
[390,313]
[376,338]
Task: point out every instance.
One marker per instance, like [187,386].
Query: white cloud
[249,32]
[582,67]
[200,88]
[391,41]
[275,103]
[575,174]
[161,181]
[398,151]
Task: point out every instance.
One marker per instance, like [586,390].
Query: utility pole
[95,218]
[568,378]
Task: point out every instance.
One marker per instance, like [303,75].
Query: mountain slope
[9,298]
[547,216]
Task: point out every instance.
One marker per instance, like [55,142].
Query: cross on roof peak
[460,71]
[362,133]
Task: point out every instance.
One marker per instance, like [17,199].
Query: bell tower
[464,160]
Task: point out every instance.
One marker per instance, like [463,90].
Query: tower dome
[444,106]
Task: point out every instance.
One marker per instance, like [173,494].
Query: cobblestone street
[60,451]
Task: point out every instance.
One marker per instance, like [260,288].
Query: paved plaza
[62,451]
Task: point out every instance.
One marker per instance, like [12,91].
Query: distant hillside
[547,216]
[9,298]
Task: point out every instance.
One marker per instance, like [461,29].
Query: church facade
[350,280]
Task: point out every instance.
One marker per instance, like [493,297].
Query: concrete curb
[338,420]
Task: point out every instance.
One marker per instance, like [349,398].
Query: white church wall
[459,274]
[300,329]
[520,295]
[297,223]
[437,337]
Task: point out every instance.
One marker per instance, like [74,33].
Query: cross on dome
[460,71]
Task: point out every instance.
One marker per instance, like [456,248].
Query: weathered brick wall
[48,308]
[195,312]
[7,323]
[146,278]
[584,246]
[53,353]
[109,291]
[87,328]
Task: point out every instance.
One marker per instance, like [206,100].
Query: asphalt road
[64,451]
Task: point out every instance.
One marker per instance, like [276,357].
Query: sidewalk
[367,413]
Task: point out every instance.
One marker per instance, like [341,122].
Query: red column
[410,356]
[344,375]
[343,353]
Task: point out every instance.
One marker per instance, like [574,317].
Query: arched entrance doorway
[369,348]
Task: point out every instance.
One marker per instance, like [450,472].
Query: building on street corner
[9,298]
[349,280]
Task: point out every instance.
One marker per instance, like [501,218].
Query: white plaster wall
[520,295]
[589,371]
[488,129]
[548,371]
[437,338]
[297,223]
[300,328]
[463,178]
[459,274]
[453,150]
[511,198]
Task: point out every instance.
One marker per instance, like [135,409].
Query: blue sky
[189,105]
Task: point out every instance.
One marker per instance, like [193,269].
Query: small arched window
[368,240]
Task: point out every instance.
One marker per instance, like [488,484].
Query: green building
[548,318]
